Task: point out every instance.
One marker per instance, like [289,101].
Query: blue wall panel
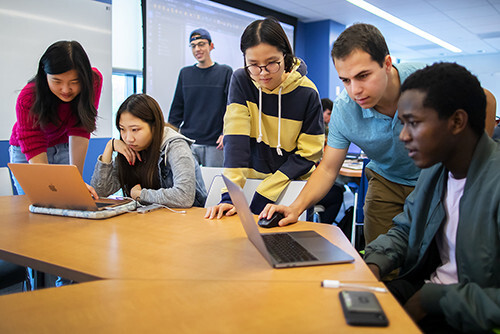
[4,153]
[313,43]
[318,54]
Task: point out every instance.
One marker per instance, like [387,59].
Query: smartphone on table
[361,308]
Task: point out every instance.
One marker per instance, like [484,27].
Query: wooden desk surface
[350,172]
[156,245]
[188,307]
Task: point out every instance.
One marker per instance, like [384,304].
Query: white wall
[28,27]
[486,67]
[127,35]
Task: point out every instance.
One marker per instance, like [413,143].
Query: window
[124,83]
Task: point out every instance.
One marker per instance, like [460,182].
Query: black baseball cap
[203,34]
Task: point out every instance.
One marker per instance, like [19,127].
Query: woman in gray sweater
[154,163]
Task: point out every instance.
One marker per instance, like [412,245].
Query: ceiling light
[391,18]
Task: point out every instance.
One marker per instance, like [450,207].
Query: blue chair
[357,239]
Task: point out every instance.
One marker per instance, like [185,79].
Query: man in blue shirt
[200,100]
[365,114]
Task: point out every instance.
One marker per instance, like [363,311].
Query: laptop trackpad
[319,246]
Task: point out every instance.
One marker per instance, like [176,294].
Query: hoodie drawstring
[259,139]
[278,148]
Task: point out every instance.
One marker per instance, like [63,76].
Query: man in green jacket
[447,240]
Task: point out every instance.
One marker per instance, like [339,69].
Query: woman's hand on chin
[127,152]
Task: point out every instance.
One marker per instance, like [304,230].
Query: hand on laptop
[135,192]
[92,191]
[219,210]
[290,215]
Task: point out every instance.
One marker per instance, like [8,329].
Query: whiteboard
[28,27]
[168,26]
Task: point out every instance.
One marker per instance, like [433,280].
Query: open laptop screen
[353,152]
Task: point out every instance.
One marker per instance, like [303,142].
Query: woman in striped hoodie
[273,126]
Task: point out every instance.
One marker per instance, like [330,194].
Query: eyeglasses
[271,68]
[200,44]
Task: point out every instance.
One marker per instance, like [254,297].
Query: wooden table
[188,307]
[350,172]
[352,168]
[164,271]
[156,245]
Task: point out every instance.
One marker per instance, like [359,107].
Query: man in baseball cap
[200,99]
[200,33]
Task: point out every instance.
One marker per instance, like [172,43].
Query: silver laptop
[61,187]
[285,249]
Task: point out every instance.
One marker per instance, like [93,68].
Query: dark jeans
[332,203]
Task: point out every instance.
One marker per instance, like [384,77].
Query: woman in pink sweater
[57,110]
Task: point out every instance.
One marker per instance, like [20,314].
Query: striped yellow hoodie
[276,135]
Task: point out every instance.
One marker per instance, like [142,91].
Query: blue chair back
[363,187]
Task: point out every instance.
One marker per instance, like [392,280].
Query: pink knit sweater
[34,140]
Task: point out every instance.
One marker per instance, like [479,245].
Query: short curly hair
[449,87]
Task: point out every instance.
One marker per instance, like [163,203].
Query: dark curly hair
[449,87]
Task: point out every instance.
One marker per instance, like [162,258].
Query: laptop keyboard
[284,249]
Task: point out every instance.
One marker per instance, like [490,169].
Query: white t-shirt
[446,237]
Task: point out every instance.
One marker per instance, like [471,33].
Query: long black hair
[268,31]
[146,172]
[59,58]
